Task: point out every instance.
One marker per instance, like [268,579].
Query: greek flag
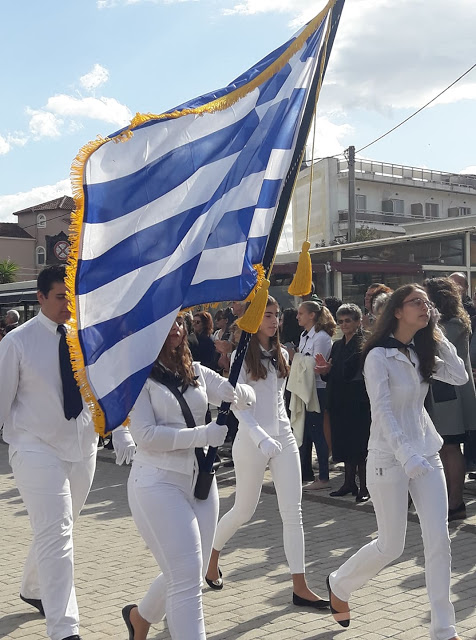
[175,210]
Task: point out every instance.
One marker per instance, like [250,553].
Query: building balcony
[379,217]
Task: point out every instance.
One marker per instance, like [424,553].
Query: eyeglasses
[344,320]
[420,302]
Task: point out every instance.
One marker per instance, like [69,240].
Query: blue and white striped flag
[177,213]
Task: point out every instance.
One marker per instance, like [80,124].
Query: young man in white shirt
[52,450]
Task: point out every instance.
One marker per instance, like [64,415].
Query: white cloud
[43,124]
[105,109]
[328,138]
[471,170]
[389,54]
[4,146]
[95,78]
[22,200]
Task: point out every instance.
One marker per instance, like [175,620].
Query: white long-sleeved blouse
[267,417]
[158,425]
[400,423]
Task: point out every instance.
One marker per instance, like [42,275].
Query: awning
[14,298]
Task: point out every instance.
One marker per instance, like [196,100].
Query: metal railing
[386,169]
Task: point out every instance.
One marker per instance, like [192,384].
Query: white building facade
[392,200]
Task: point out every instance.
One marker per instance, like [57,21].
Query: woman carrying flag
[177,527]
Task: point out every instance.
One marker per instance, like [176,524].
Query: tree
[8,271]
[364,232]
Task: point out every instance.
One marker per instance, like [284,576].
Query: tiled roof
[64,202]
[12,230]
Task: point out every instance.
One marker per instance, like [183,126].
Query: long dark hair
[182,361]
[425,339]
[446,297]
[253,358]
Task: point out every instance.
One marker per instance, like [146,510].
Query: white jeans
[179,530]
[388,486]
[285,467]
[54,492]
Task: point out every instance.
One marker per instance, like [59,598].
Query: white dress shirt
[268,416]
[31,395]
[157,419]
[400,424]
[312,343]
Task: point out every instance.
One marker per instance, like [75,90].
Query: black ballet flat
[314,604]
[342,617]
[126,614]
[34,603]
[217,585]
[344,491]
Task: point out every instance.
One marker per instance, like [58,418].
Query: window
[41,221]
[393,206]
[40,256]
[431,210]
[416,210]
[361,202]
[455,212]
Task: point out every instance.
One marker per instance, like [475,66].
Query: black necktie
[72,402]
[393,343]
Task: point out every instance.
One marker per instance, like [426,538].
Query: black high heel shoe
[342,617]
[126,614]
[362,496]
[34,603]
[217,585]
[344,491]
[314,604]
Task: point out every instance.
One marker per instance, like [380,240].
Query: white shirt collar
[49,324]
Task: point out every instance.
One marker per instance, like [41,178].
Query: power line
[418,111]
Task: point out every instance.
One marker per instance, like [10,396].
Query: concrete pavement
[113,568]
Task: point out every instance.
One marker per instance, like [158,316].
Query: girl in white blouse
[405,351]
[177,528]
[265,438]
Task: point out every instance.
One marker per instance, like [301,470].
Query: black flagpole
[282,209]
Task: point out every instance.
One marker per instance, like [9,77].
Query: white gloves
[417,466]
[227,392]
[124,446]
[216,433]
[270,447]
[241,397]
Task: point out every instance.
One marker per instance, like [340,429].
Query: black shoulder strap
[187,414]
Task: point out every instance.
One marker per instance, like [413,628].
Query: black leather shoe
[217,585]
[344,491]
[72,638]
[363,497]
[126,614]
[34,603]
[457,514]
[314,604]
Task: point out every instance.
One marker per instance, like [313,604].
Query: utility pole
[351,174]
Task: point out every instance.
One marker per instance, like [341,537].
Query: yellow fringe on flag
[302,281]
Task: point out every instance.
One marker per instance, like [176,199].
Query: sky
[75,69]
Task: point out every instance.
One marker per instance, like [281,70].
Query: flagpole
[283,205]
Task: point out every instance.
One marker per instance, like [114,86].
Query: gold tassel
[253,317]
[302,281]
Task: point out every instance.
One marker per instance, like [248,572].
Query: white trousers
[388,486]
[179,530]
[285,467]
[54,492]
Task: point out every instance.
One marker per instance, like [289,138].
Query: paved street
[113,568]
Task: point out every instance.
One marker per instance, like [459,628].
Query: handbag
[205,477]
[442,391]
